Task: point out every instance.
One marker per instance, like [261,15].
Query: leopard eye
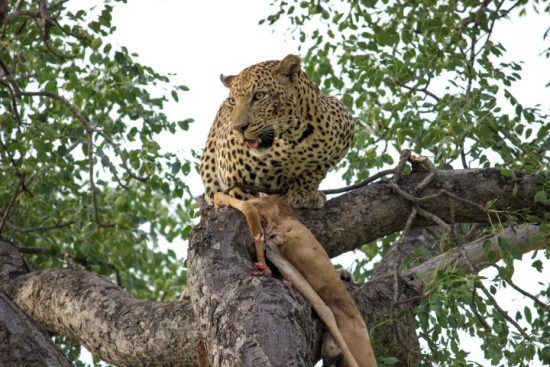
[231,101]
[258,96]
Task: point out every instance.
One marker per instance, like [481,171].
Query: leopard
[278,131]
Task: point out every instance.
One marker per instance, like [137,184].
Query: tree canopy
[83,176]
[85,184]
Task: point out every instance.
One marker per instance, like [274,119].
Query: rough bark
[375,300]
[22,343]
[427,239]
[248,320]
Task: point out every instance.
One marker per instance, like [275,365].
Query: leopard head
[262,100]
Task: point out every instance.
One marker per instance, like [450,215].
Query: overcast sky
[198,40]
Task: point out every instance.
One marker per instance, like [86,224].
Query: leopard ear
[227,80]
[288,66]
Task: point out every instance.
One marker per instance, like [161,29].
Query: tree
[86,193]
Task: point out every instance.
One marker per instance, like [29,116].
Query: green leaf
[389,361]
[506,172]
[175,95]
[541,197]
[176,166]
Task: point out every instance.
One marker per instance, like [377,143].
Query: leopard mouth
[265,141]
[252,143]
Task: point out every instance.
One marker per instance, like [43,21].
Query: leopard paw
[306,199]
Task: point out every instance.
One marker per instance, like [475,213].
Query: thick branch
[363,215]
[113,325]
[523,239]
[245,320]
[22,343]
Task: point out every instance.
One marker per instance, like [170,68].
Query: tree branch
[358,217]
[113,325]
[523,238]
[22,343]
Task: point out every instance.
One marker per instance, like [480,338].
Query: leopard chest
[235,164]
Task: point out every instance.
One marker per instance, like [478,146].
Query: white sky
[198,40]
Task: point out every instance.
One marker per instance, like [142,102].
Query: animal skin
[296,253]
[275,130]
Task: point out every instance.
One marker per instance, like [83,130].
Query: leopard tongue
[252,143]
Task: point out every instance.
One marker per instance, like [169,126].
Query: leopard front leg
[304,191]
[208,177]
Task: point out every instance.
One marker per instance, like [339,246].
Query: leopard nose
[241,127]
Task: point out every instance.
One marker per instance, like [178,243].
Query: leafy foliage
[84,182]
[424,75]
[428,76]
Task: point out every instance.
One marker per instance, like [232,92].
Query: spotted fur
[276,130]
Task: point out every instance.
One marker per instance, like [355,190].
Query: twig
[428,179]
[14,106]
[45,31]
[465,201]
[475,310]
[40,228]
[9,78]
[501,311]
[64,101]
[422,199]
[107,162]
[20,13]
[398,170]
[122,157]
[426,214]
[93,190]
[463,156]
[414,89]
[522,291]
[474,17]
[7,208]
[372,178]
